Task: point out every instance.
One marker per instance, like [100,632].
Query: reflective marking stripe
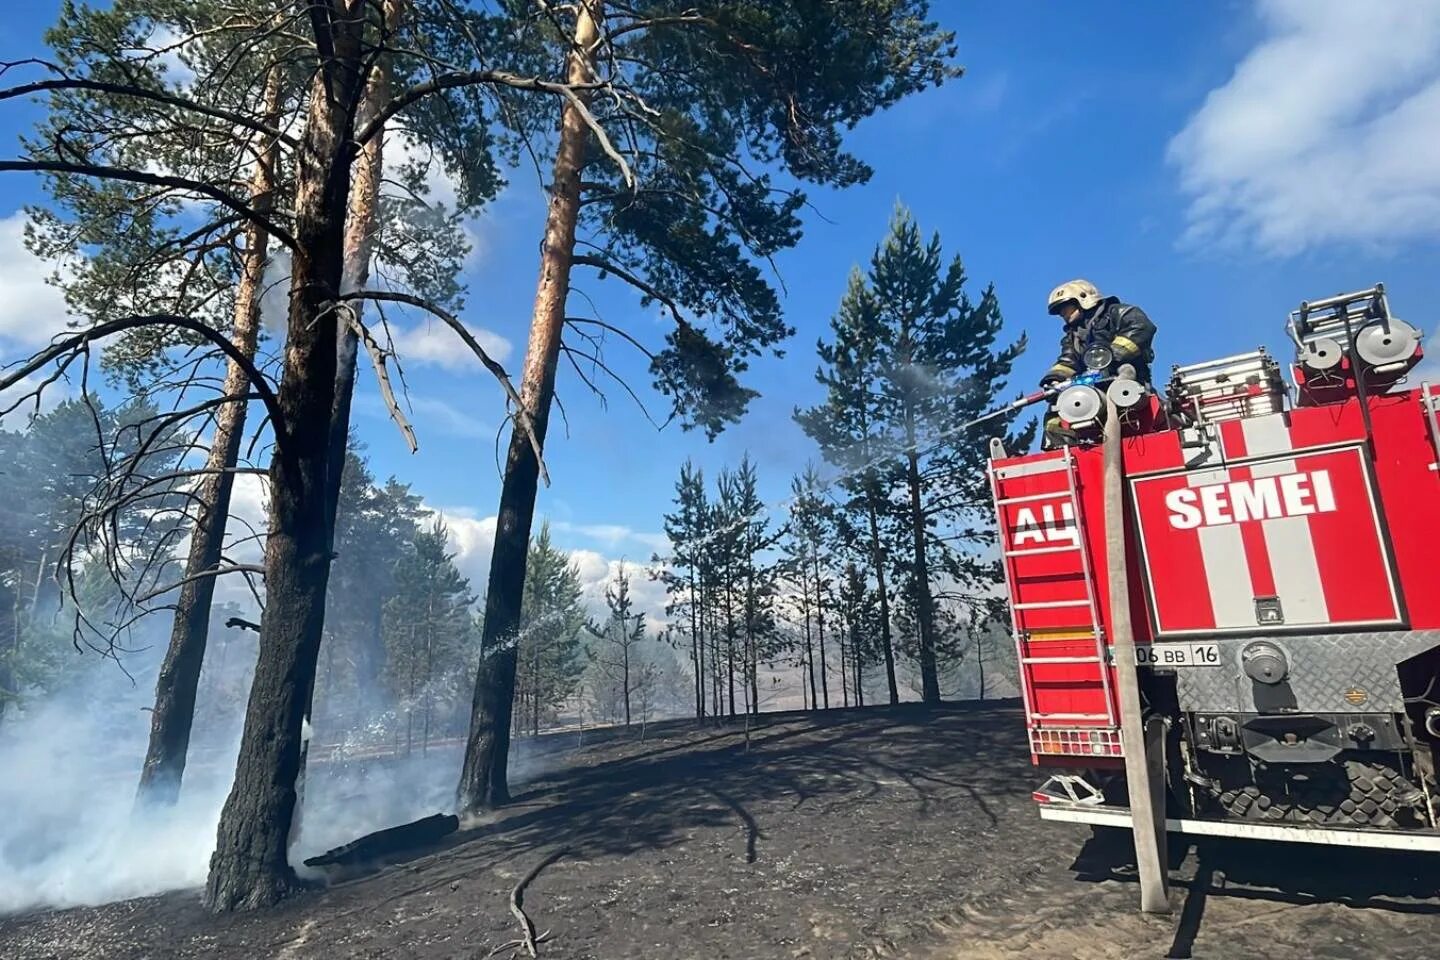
[1124,343]
[1227,573]
[1289,541]
[1232,597]
[1296,570]
[1266,435]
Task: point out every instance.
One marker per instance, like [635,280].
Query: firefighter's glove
[1056,374]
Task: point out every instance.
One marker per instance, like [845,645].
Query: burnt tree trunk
[929,675]
[809,639]
[179,679]
[483,778]
[697,649]
[820,631]
[250,867]
[9,644]
[877,560]
[360,228]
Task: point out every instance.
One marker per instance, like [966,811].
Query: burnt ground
[893,832]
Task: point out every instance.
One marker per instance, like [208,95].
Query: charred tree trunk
[929,675]
[820,631]
[179,679]
[9,644]
[697,649]
[625,653]
[877,560]
[483,779]
[360,227]
[250,866]
[809,639]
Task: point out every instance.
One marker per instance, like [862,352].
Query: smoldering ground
[72,834]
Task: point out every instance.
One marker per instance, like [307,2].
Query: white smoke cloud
[32,311]
[1328,131]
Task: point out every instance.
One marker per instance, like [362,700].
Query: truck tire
[1369,795]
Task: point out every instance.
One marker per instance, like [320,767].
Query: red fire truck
[1284,591]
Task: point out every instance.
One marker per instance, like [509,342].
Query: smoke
[70,835]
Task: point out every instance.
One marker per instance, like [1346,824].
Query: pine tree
[375,525]
[616,653]
[684,575]
[932,358]
[550,661]
[426,626]
[676,213]
[809,532]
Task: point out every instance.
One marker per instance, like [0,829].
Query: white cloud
[402,150]
[167,40]
[31,310]
[428,416]
[1328,131]
[472,538]
[597,573]
[19,418]
[431,342]
[613,535]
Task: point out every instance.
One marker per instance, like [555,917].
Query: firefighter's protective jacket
[1122,327]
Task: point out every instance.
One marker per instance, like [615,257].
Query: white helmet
[1082,292]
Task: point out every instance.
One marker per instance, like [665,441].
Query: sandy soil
[899,832]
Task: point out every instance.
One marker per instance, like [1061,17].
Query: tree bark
[809,640]
[361,222]
[877,559]
[697,650]
[483,780]
[820,630]
[250,866]
[10,643]
[929,675]
[179,679]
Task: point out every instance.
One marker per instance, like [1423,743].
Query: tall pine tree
[550,661]
[914,359]
[427,627]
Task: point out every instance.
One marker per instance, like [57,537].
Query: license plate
[1177,655]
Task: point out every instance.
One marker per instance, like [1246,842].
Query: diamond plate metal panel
[1324,668]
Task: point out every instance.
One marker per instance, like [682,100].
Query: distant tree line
[886,559]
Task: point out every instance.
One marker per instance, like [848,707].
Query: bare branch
[157,96]
[526,421]
[69,347]
[643,286]
[125,175]
[217,572]
[382,374]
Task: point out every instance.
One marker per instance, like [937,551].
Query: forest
[238,197]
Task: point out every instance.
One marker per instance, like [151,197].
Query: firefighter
[1091,319]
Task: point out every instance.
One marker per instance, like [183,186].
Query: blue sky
[1215,163]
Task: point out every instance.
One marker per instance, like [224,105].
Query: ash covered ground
[884,832]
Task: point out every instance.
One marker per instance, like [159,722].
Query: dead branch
[648,289]
[526,421]
[156,96]
[382,374]
[517,907]
[469,78]
[218,572]
[68,348]
[125,175]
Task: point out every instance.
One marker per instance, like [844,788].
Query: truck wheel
[1369,795]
